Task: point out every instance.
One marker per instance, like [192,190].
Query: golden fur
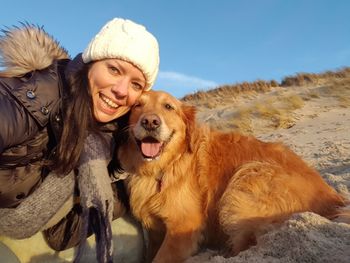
[210,188]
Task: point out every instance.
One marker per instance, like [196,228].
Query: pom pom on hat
[128,41]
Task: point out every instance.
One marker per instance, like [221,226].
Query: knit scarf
[96,195]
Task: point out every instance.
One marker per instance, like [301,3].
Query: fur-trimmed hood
[27,48]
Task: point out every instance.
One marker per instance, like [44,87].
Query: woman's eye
[136,86]
[114,70]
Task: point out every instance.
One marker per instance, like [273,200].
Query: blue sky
[205,43]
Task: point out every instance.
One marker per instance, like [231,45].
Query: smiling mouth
[108,102]
[150,148]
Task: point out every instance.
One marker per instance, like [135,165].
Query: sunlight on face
[115,85]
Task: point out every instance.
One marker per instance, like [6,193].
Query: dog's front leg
[155,240]
[178,246]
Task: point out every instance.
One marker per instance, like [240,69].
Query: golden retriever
[192,186]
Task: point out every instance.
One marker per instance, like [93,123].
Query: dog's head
[159,127]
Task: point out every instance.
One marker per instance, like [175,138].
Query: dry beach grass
[266,106]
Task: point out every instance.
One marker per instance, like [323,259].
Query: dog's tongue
[150,149]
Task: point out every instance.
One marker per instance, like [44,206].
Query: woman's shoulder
[38,92]
[32,63]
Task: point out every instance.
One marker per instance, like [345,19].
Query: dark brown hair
[77,121]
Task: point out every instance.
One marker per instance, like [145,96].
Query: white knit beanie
[128,41]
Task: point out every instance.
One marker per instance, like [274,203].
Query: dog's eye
[137,104]
[168,106]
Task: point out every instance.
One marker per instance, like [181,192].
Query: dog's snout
[150,122]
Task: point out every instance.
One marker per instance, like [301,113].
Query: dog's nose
[150,122]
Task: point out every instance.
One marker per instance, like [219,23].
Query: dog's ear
[190,121]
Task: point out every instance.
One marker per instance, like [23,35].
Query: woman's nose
[120,88]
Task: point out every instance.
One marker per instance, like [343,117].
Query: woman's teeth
[109,102]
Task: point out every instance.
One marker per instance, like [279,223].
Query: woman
[57,117]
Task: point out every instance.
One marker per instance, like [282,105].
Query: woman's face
[115,85]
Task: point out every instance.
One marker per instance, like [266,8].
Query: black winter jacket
[30,121]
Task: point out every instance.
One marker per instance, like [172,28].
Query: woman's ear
[190,121]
